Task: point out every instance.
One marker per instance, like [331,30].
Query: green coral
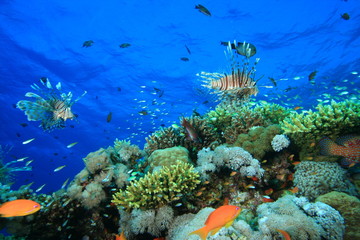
[159,188]
[272,112]
[332,120]
[258,140]
[168,156]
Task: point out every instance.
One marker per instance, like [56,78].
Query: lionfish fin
[58,86]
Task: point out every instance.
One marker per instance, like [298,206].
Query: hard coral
[298,217]
[316,178]
[258,140]
[158,188]
[334,119]
[349,207]
[168,156]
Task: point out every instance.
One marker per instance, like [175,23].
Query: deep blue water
[44,39]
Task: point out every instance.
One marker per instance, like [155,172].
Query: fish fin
[327,146]
[229,224]
[215,230]
[202,233]
[347,162]
[347,139]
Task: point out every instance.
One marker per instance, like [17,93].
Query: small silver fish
[71,144]
[59,168]
[40,188]
[65,183]
[21,159]
[28,141]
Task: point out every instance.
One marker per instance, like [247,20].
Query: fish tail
[202,233]
[328,147]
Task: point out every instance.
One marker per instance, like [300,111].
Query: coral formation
[349,207]
[169,184]
[234,158]
[258,140]
[280,142]
[168,156]
[316,178]
[298,217]
[334,119]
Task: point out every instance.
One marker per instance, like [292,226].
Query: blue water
[44,39]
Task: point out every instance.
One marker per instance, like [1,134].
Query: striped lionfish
[240,83]
[52,110]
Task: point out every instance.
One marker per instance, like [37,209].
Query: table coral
[329,120]
[159,188]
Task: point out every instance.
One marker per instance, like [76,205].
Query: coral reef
[349,207]
[317,178]
[258,140]
[298,217]
[234,158]
[169,184]
[334,119]
[280,142]
[168,156]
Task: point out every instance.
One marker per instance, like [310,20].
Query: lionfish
[240,83]
[52,110]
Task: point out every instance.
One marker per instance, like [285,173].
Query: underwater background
[140,63]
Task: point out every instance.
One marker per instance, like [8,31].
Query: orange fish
[297,108]
[269,191]
[294,190]
[19,207]
[160,238]
[347,146]
[120,237]
[223,216]
[267,199]
[284,233]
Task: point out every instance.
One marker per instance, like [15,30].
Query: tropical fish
[40,188]
[190,131]
[124,45]
[109,117]
[188,49]
[52,110]
[203,10]
[345,16]
[223,216]
[71,144]
[312,75]
[120,237]
[88,43]
[284,233]
[267,199]
[347,146]
[273,81]
[28,141]
[19,207]
[245,49]
[59,168]
[185,59]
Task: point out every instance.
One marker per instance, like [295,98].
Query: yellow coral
[159,188]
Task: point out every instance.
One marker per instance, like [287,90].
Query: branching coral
[334,119]
[171,137]
[316,178]
[271,112]
[159,188]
